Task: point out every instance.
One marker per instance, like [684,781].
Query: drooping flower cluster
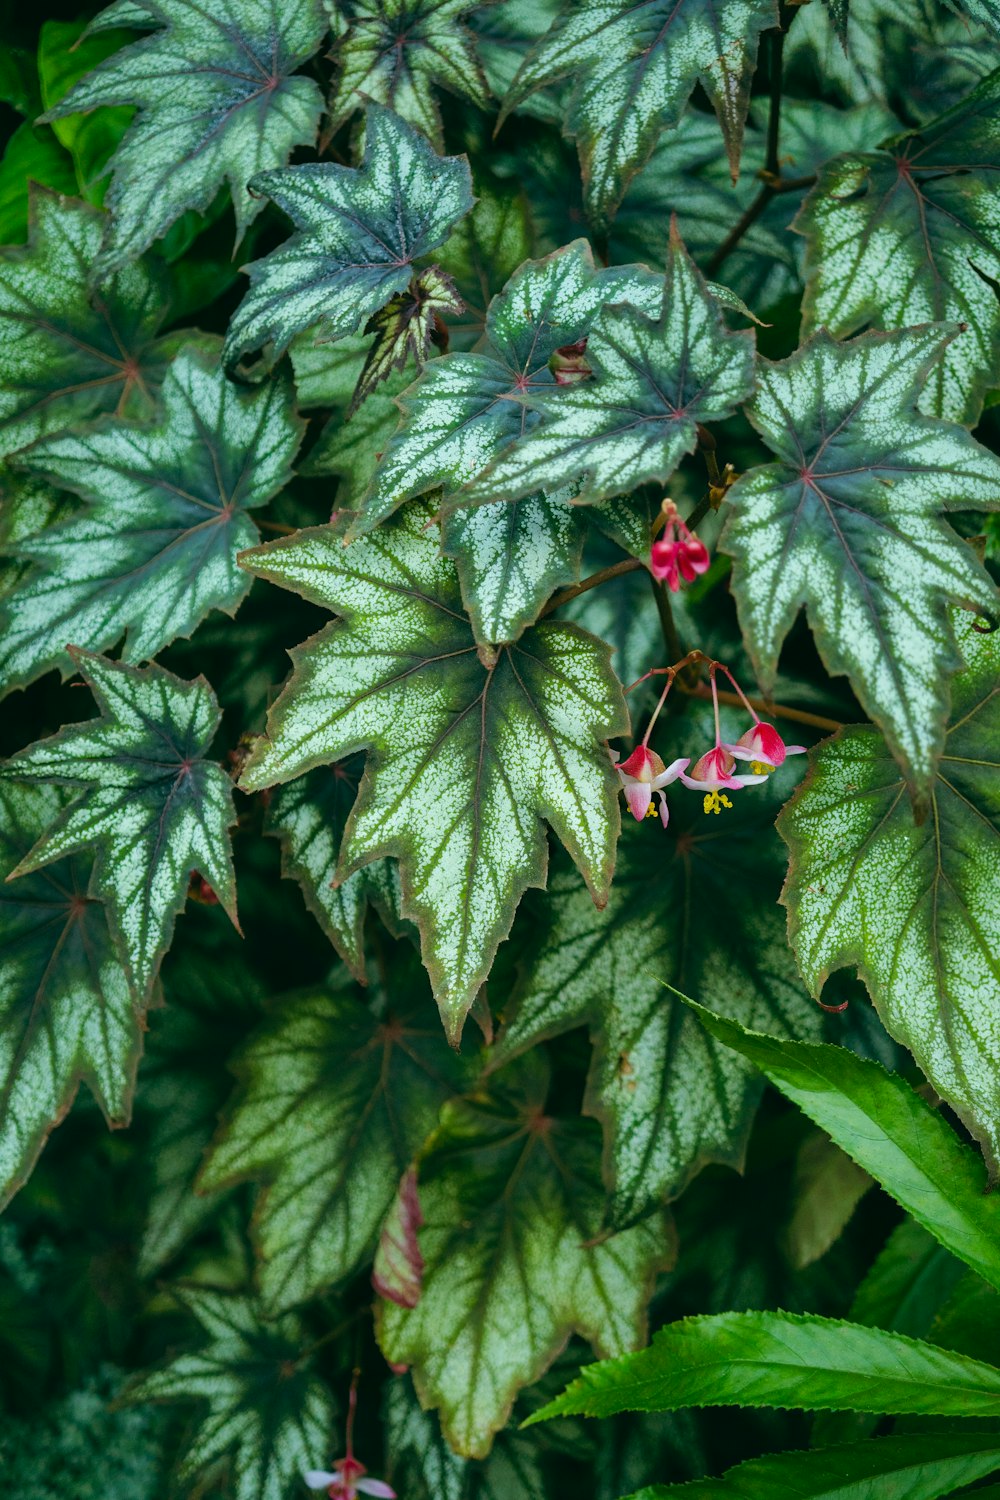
[714,772]
[348,1479]
[678,553]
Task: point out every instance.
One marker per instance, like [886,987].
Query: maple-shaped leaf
[358,231]
[908,235]
[67,1012]
[670,1098]
[655,378]
[367,1088]
[268,1412]
[309,817]
[394,52]
[215,103]
[482,253]
[154,549]
[634,67]
[405,328]
[150,803]
[68,353]
[466,408]
[466,758]
[850,522]
[915,909]
[511,1204]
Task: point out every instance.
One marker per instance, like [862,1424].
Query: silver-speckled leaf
[514,1257]
[850,522]
[916,909]
[466,761]
[394,52]
[67,354]
[67,1012]
[215,103]
[405,328]
[149,802]
[358,230]
[655,378]
[267,1410]
[669,1097]
[154,549]
[634,66]
[911,235]
[334,1102]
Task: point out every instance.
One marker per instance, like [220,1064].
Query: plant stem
[671,639]
[627,565]
[797,715]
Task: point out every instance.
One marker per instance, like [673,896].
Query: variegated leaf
[467,756]
[216,102]
[309,817]
[66,353]
[334,1102]
[850,522]
[67,1012]
[482,253]
[405,328]
[149,802]
[654,380]
[911,235]
[264,1407]
[511,1203]
[916,909]
[394,52]
[633,67]
[358,230]
[669,1097]
[154,549]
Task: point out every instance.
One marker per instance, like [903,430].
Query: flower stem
[656,711]
[715,704]
[778,710]
[742,695]
[627,565]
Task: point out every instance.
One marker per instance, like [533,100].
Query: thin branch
[796,715]
[671,639]
[627,565]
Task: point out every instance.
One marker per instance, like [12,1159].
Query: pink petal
[319,1479]
[740,752]
[375,1487]
[670,773]
[638,796]
[769,744]
[643,764]
[745,780]
[664,810]
[795,749]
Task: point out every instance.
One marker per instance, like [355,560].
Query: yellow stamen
[651,810]
[715,801]
[760,768]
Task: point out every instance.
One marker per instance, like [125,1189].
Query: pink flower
[715,769]
[347,1481]
[764,745]
[643,774]
[678,553]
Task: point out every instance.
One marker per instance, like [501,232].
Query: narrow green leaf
[155,547]
[150,803]
[333,1103]
[511,1204]
[655,379]
[237,113]
[867,887]
[827,1188]
[358,230]
[267,1410]
[466,759]
[850,522]
[67,1012]
[784,1360]
[918,1466]
[887,1128]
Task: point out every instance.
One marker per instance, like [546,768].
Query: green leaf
[917,1466]
[334,1101]
[149,801]
[654,380]
[868,887]
[32,154]
[466,408]
[907,235]
[154,549]
[984,12]
[483,252]
[850,523]
[784,1360]
[887,1128]
[66,1009]
[405,328]
[394,52]
[466,759]
[266,1409]
[504,34]
[237,113]
[67,354]
[827,1188]
[668,1096]
[309,817]
[634,68]
[359,229]
[511,1202]
[66,51]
